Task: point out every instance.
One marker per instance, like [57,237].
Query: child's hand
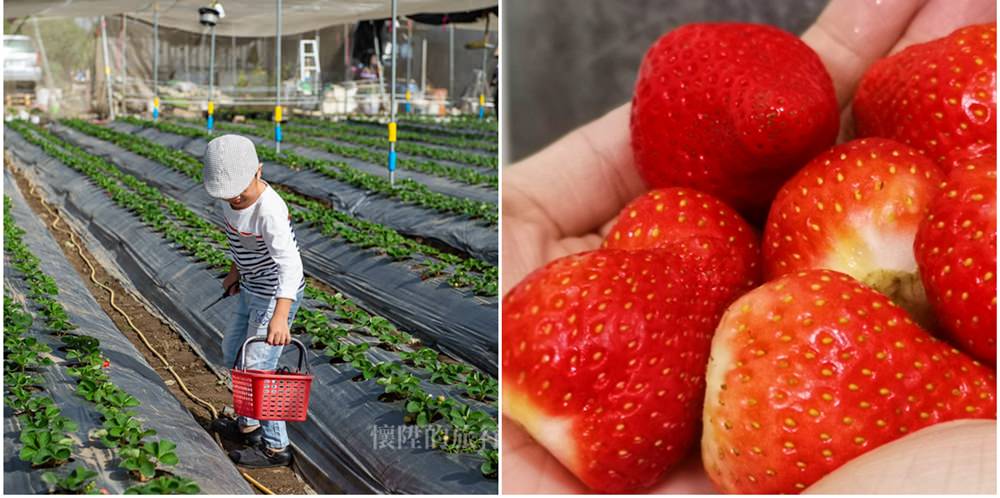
[277,332]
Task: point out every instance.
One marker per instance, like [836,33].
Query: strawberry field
[400,313]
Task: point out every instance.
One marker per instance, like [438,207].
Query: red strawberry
[935,96]
[732,110]
[956,248]
[603,360]
[855,209]
[813,369]
[686,220]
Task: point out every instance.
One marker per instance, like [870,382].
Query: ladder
[309,62]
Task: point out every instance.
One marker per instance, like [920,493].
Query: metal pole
[378,68]
[409,43]
[187,60]
[347,53]
[451,62]
[107,67]
[232,57]
[125,55]
[486,80]
[423,67]
[211,83]
[392,107]
[156,62]
[347,61]
[409,65]
[41,48]
[277,82]
[317,79]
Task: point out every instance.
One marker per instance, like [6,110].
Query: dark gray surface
[200,458]
[570,61]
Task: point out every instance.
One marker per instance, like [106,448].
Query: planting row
[45,432]
[405,190]
[460,272]
[473,428]
[483,145]
[471,126]
[346,132]
[461,174]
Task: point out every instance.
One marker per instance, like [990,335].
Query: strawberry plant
[79,481]
[480,387]
[122,429]
[45,447]
[399,384]
[166,485]
[344,352]
[491,463]
[422,358]
[48,418]
[447,373]
[142,460]
[30,404]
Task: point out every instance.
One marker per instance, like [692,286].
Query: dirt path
[196,374]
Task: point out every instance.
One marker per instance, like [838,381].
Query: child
[268,268]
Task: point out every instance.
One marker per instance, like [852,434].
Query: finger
[953,458]
[939,18]
[579,182]
[850,35]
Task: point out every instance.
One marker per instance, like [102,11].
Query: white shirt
[262,244]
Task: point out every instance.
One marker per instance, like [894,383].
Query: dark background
[567,62]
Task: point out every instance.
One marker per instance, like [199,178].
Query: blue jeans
[251,320]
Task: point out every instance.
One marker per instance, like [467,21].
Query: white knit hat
[230,165]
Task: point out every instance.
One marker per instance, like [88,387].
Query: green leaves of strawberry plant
[166,485]
[78,481]
[45,447]
[143,459]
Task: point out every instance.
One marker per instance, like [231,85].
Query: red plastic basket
[268,395]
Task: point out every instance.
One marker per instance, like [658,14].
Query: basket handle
[258,338]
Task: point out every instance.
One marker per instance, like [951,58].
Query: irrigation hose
[258,485]
[93,278]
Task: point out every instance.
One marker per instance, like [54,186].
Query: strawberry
[956,249]
[689,221]
[855,208]
[603,359]
[732,110]
[813,369]
[935,96]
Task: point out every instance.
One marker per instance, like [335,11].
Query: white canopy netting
[247,18]
[440,59]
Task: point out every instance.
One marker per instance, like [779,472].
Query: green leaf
[169,459]
[147,468]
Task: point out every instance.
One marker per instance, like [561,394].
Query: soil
[195,373]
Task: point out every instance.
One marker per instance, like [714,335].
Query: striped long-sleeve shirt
[262,244]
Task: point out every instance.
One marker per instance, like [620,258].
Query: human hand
[564,199]
[277,331]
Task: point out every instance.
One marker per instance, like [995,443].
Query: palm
[563,199]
